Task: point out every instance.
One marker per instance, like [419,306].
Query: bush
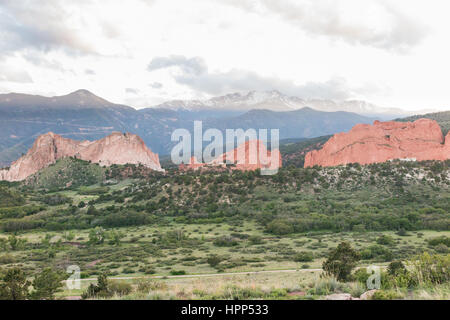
[120,288]
[430,269]
[386,295]
[395,268]
[177,272]
[101,290]
[280,227]
[441,248]
[377,252]
[56,199]
[439,240]
[361,275]
[46,285]
[255,240]
[305,256]
[214,260]
[14,285]
[147,285]
[341,261]
[225,242]
[385,240]
[326,286]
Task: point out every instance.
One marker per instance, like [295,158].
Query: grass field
[180,231]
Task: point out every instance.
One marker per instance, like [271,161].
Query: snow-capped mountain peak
[276,101]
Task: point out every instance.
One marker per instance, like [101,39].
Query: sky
[144,52]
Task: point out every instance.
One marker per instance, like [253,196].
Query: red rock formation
[117,148]
[245,157]
[419,140]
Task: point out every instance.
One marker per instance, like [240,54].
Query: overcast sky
[144,52]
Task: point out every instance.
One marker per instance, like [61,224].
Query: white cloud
[194,73]
[11,74]
[372,23]
[393,53]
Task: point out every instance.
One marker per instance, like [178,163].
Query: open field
[181,229]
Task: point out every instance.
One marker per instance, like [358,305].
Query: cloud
[132,91]
[156,85]
[194,73]
[89,72]
[11,74]
[374,23]
[39,25]
[194,65]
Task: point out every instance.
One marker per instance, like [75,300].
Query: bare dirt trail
[207,274]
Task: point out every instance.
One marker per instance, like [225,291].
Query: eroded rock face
[117,148]
[245,157]
[419,140]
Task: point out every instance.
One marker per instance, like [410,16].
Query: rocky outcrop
[419,140]
[248,156]
[117,148]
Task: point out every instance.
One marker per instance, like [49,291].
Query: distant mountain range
[82,115]
[276,101]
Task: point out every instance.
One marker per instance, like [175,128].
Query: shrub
[225,242]
[214,260]
[341,261]
[14,285]
[377,252]
[280,227]
[325,286]
[385,240]
[147,285]
[386,295]
[46,285]
[120,288]
[100,290]
[430,269]
[441,248]
[177,272]
[255,240]
[305,256]
[396,268]
[439,240]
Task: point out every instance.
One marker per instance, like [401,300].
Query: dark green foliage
[304,257]
[378,252]
[56,199]
[280,227]
[293,153]
[14,285]
[46,284]
[67,173]
[100,290]
[10,198]
[439,240]
[341,261]
[385,240]
[357,198]
[214,260]
[225,242]
[177,272]
[395,268]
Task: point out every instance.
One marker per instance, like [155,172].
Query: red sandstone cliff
[383,141]
[245,157]
[117,148]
